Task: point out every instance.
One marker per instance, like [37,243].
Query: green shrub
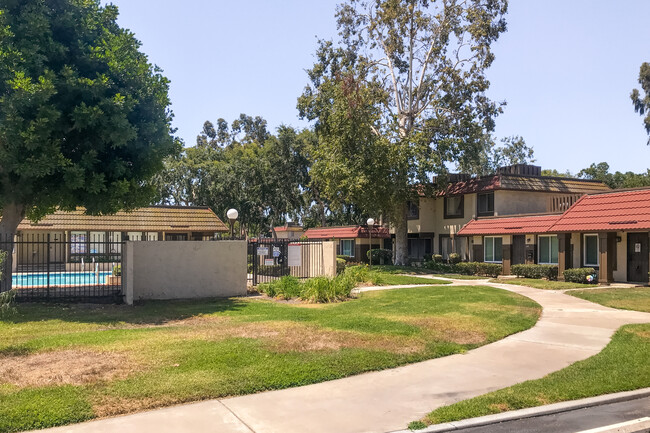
[535,271]
[381,256]
[454,258]
[340,265]
[437,258]
[438,267]
[465,268]
[489,269]
[428,257]
[117,271]
[318,289]
[362,274]
[287,287]
[581,275]
[348,259]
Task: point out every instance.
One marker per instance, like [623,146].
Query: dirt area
[66,367]
[454,329]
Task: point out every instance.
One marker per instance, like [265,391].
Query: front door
[518,249]
[637,257]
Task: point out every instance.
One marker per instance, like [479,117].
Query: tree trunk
[401,237]
[12,215]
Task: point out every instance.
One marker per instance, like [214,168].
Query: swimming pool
[59,279]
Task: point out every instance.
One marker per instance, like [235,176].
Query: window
[347,247]
[97,242]
[418,248]
[152,236]
[134,236]
[485,204]
[115,242]
[591,250]
[413,212]
[548,250]
[454,207]
[78,243]
[493,249]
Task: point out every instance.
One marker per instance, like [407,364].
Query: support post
[565,261]
[606,267]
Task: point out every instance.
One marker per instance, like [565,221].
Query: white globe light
[371,222]
[232,214]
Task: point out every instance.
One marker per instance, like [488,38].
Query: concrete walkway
[569,330]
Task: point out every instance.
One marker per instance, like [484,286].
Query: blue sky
[565,68]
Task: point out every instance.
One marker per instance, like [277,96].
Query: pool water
[60,279]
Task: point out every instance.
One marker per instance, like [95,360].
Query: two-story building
[434,222]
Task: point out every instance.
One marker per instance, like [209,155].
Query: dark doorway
[518,249]
[637,257]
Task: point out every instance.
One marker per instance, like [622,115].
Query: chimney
[521,169]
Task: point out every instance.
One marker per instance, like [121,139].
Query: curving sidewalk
[570,329]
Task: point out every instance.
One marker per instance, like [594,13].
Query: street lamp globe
[371,222]
[232,214]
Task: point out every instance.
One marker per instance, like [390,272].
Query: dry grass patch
[106,405]
[65,367]
[454,328]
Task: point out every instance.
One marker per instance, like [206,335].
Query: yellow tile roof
[148,219]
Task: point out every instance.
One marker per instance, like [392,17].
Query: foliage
[466,268]
[437,258]
[537,283]
[84,117]
[401,96]
[535,271]
[513,150]
[642,103]
[287,287]
[615,180]
[454,258]
[323,289]
[348,259]
[581,275]
[340,265]
[489,269]
[117,270]
[380,256]
[245,167]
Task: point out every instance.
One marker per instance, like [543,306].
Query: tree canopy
[400,97]
[642,102]
[84,117]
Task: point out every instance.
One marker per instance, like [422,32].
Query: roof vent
[521,169]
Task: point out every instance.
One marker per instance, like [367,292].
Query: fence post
[48,265]
[127,272]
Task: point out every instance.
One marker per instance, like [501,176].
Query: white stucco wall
[184,269]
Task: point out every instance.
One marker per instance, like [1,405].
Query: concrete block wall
[184,270]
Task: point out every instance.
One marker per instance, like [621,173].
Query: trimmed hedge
[579,275]
[454,258]
[535,271]
[467,268]
[340,265]
[381,254]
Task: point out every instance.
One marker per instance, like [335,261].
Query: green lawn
[411,270]
[621,366]
[541,284]
[386,279]
[65,364]
[636,298]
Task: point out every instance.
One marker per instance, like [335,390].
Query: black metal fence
[270,259]
[51,266]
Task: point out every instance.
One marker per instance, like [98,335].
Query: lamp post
[371,223]
[232,215]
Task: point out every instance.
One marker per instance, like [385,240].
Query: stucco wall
[184,269]
[427,221]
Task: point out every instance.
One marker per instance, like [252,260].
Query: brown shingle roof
[510,225]
[148,219]
[525,183]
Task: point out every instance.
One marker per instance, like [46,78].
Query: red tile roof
[511,225]
[616,211]
[288,229]
[346,232]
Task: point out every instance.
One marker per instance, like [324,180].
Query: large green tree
[84,117]
[399,98]
[642,102]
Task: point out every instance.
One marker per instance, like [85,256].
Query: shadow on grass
[142,313]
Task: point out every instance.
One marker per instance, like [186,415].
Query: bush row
[380,256]
[581,275]
[466,268]
[535,271]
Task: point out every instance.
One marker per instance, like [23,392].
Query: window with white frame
[548,250]
[152,236]
[590,252]
[134,236]
[493,248]
[115,242]
[97,242]
[347,247]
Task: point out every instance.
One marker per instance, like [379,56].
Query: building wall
[184,270]
[620,273]
[427,221]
